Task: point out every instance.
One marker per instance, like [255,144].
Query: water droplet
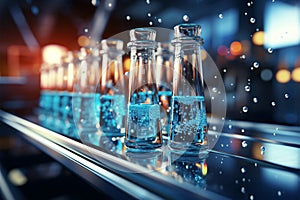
[221,16]
[222,145]
[186,18]
[214,128]
[255,164]
[245,109]
[215,77]
[149,14]
[279,193]
[224,70]
[214,89]
[273,103]
[245,13]
[247,88]
[243,170]
[150,23]
[187,167]
[243,57]
[159,20]
[252,20]
[243,130]
[256,64]
[262,150]
[148,2]
[251,197]
[86,30]
[249,4]
[255,99]
[244,144]
[286,95]
[233,97]
[230,126]
[128,17]
[270,50]
[243,190]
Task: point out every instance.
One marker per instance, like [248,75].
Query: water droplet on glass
[214,128]
[270,50]
[187,167]
[159,20]
[262,150]
[251,68]
[214,89]
[248,4]
[128,17]
[251,197]
[243,190]
[243,170]
[230,126]
[150,23]
[148,2]
[256,64]
[247,88]
[252,20]
[86,30]
[245,109]
[244,144]
[243,57]
[149,14]
[286,95]
[221,16]
[245,13]
[222,145]
[279,193]
[242,130]
[273,103]
[224,70]
[215,77]
[186,18]
[233,97]
[255,164]
[255,99]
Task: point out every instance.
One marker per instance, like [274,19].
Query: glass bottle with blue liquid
[112,98]
[143,130]
[189,123]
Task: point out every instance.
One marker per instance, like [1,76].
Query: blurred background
[255,45]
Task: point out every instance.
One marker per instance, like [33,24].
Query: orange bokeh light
[83,41]
[258,38]
[53,53]
[283,76]
[296,74]
[235,48]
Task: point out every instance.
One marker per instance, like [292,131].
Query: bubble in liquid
[186,18]
[148,2]
[273,103]
[252,20]
[256,64]
[255,99]
[247,88]
[214,89]
[270,50]
[279,193]
[262,150]
[245,109]
[251,197]
[149,14]
[150,23]
[159,20]
[221,16]
[286,95]
[128,17]
[243,190]
[244,144]
[243,170]
[249,4]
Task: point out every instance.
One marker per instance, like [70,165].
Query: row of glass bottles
[161,94]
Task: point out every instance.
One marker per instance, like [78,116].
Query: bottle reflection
[188,168]
[153,160]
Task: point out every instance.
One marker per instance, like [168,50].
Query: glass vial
[164,76]
[143,121]
[189,124]
[112,109]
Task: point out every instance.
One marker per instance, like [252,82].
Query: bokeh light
[283,76]
[53,53]
[258,38]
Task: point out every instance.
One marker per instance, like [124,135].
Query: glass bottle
[164,76]
[143,120]
[189,124]
[112,109]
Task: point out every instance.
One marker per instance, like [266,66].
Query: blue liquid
[165,99]
[112,114]
[189,125]
[143,126]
